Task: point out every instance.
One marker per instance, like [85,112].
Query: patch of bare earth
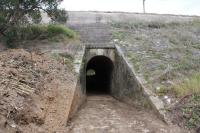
[35,92]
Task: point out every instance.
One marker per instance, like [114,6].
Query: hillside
[38,81]
[164,50]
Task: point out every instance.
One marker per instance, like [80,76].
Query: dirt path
[104,114]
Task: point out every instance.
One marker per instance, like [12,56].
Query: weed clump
[189,86]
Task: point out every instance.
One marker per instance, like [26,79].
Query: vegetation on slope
[20,20]
[53,32]
[161,51]
[189,86]
[187,109]
[167,56]
[15,13]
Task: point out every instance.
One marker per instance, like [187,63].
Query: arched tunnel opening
[98,75]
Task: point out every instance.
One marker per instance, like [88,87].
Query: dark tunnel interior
[98,75]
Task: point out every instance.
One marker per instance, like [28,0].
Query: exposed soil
[104,114]
[35,92]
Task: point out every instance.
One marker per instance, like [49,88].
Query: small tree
[21,12]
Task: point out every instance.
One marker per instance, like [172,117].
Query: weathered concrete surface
[80,62]
[92,52]
[141,41]
[104,114]
[88,17]
[93,33]
[78,95]
[125,85]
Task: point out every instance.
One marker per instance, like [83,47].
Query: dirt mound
[32,88]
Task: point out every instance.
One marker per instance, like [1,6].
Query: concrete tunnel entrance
[98,75]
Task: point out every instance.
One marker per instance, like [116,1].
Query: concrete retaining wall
[125,85]
[79,95]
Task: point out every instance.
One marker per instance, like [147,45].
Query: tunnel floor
[104,114]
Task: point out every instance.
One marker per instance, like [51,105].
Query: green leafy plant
[59,29]
[18,13]
[40,32]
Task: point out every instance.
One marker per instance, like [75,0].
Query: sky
[183,7]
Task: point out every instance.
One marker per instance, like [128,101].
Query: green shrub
[10,37]
[37,31]
[31,32]
[59,29]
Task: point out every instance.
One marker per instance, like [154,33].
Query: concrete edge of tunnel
[78,67]
[78,97]
[156,104]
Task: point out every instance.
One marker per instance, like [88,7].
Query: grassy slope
[167,56]
[161,51]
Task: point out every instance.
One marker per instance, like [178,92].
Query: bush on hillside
[59,29]
[40,32]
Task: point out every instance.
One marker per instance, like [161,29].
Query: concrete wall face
[90,53]
[124,84]
[80,67]
[79,96]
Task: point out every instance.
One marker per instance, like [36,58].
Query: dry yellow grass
[189,86]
